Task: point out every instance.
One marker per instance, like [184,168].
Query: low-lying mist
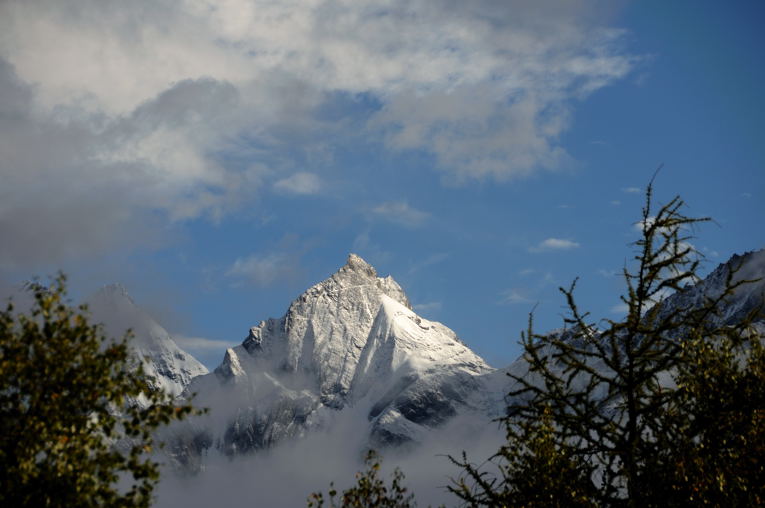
[287,474]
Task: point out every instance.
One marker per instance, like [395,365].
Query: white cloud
[370,250]
[150,106]
[620,309]
[554,244]
[300,183]
[710,252]
[262,270]
[514,296]
[193,344]
[429,261]
[632,190]
[427,307]
[401,213]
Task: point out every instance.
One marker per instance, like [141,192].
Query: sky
[218,158]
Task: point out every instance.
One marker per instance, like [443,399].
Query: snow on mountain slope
[747,297]
[171,367]
[325,329]
[350,340]
[352,343]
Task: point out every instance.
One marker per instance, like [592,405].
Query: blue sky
[218,158]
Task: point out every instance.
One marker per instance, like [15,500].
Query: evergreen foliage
[369,491]
[77,415]
[538,472]
[659,409]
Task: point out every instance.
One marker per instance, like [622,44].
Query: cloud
[710,252]
[263,270]
[632,190]
[300,183]
[428,261]
[620,309]
[401,213]
[142,114]
[514,296]
[370,250]
[427,307]
[285,474]
[554,244]
[197,344]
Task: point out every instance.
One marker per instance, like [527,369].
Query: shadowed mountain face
[746,298]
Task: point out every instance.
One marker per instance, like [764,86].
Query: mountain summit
[170,366]
[350,340]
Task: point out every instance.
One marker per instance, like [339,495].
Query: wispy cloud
[262,270]
[552,244]
[515,296]
[369,249]
[427,307]
[401,213]
[487,88]
[193,344]
[710,252]
[620,309]
[609,273]
[300,183]
[428,261]
[632,190]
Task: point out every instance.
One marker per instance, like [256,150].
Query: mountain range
[351,343]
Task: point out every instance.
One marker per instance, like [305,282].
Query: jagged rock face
[326,328]
[745,298]
[351,339]
[170,366]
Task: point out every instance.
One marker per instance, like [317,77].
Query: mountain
[171,367]
[352,344]
[746,298]
[351,340]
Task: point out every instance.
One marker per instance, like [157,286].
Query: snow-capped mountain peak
[170,366]
[349,340]
[326,328]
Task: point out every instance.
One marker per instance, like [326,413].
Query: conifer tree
[77,415]
[369,491]
[533,470]
[663,408]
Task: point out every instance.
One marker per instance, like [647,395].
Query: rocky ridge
[170,366]
[350,340]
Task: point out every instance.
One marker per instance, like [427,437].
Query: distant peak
[115,291]
[115,287]
[356,264]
